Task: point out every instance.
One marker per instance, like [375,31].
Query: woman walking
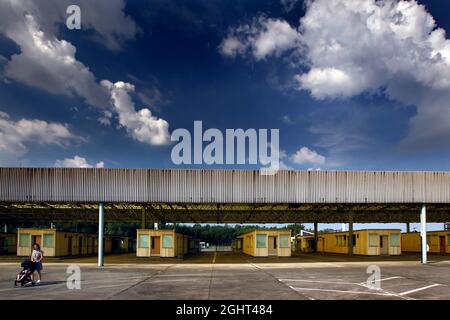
[36,256]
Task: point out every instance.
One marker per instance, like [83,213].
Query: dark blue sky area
[176,53]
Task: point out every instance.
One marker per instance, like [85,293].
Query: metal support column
[408,228]
[143,219]
[423,233]
[101,228]
[315,236]
[350,238]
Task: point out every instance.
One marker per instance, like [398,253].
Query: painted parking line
[364,285]
[336,282]
[342,291]
[379,280]
[317,281]
[420,289]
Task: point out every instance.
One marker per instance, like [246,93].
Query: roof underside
[222,213]
[218,196]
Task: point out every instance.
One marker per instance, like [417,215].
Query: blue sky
[231,64]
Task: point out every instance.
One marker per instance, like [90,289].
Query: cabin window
[167,241]
[394,240]
[341,241]
[261,241]
[143,241]
[48,241]
[24,240]
[373,240]
[284,241]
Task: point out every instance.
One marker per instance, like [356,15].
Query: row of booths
[56,243]
[371,242]
[374,242]
[257,243]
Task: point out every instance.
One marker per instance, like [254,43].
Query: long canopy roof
[206,195]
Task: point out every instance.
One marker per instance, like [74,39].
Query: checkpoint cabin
[264,243]
[304,243]
[8,243]
[162,243]
[371,242]
[437,241]
[58,243]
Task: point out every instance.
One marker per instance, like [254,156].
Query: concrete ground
[236,277]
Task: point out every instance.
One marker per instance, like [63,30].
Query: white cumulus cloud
[16,135]
[307,156]
[263,37]
[77,162]
[392,47]
[107,19]
[141,125]
[49,63]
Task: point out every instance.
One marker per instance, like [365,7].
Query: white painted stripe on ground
[317,281]
[336,282]
[343,291]
[390,278]
[215,256]
[310,298]
[350,283]
[155,280]
[419,289]
[379,280]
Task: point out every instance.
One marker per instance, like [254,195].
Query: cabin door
[443,244]
[273,246]
[384,245]
[80,245]
[37,239]
[69,246]
[156,245]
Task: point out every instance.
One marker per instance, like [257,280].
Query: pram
[24,276]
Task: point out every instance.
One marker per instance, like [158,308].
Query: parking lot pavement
[236,277]
[347,280]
